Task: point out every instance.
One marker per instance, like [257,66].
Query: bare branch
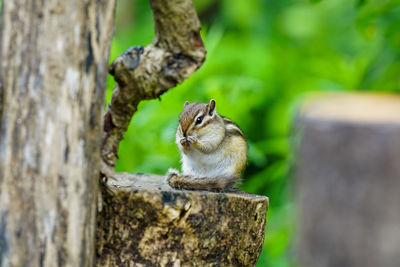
[146,73]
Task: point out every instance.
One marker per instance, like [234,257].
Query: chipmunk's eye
[199,120]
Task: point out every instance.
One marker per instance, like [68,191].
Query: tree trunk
[54,57]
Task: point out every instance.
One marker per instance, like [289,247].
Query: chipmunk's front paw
[192,139]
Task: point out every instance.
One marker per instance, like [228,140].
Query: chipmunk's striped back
[232,128]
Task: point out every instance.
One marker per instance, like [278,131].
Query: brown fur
[206,123]
[188,114]
[227,121]
[179,181]
[238,144]
[234,132]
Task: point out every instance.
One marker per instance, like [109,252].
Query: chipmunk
[213,150]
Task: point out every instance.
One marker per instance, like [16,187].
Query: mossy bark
[146,223]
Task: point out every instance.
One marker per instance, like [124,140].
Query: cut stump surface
[144,222]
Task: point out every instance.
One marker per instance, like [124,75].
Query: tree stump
[348,181]
[144,222]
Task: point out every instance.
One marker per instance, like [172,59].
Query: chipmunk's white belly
[212,165]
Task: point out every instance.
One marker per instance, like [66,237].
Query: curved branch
[146,73]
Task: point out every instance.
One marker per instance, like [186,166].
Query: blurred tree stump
[349,181]
[146,223]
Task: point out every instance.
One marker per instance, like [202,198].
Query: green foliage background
[263,56]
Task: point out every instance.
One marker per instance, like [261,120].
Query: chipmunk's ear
[186,104]
[211,107]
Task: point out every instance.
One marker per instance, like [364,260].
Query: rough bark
[146,223]
[146,73]
[54,57]
[348,181]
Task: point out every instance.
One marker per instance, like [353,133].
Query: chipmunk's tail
[179,181]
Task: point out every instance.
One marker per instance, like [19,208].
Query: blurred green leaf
[360,3]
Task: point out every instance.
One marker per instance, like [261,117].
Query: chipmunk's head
[197,121]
